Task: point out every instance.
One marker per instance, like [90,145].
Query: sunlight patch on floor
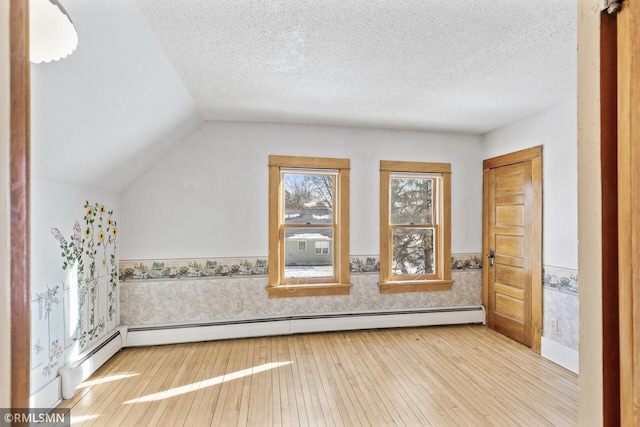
[82,418]
[206,383]
[105,380]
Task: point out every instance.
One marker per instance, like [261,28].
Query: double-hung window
[308,226]
[415,234]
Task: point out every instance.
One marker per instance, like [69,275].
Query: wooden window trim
[442,279]
[277,288]
[414,286]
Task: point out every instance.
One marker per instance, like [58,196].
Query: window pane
[411,201]
[309,263]
[308,198]
[322,247]
[413,252]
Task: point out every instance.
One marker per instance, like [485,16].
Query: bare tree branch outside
[413,246]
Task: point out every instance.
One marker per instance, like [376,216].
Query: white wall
[207,197]
[5,241]
[590,213]
[58,205]
[556,130]
[54,333]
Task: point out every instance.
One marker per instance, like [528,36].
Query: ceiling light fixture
[51,33]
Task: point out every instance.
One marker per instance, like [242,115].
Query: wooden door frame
[19,158]
[535,155]
[609,183]
[628,96]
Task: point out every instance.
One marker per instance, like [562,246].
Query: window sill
[314,290]
[414,286]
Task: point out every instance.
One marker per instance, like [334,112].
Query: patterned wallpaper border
[561,279]
[249,266]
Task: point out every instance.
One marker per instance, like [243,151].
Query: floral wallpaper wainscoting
[189,268]
[169,291]
[561,306]
[76,309]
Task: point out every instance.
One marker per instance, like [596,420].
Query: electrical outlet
[554,325]
[238,304]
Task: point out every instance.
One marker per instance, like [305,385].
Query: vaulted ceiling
[147,73]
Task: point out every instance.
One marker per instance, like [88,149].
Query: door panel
[509,275]
[509,306]
[509,193]
[509,182]
[509,246]
[509,215]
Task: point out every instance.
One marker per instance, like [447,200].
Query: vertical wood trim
[529,252]
[274,221]
[344,195]
[19,154]
[486,190]
[609,183]
[446,228]
[536,254]
[385,254]
[628,60]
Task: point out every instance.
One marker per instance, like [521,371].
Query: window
[415,234]
[308,209]
[322,247]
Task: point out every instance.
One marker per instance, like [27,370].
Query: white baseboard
[175,334]
[172,334]
[72,374]
[562,355]
[400,320]
[48,396]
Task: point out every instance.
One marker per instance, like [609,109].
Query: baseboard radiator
[73,374]
[286,325]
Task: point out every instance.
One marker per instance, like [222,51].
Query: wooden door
[512,244]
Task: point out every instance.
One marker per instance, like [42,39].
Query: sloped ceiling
[455,65]
[147,73]
[101,116]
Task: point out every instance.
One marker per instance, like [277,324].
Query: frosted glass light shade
[51,32]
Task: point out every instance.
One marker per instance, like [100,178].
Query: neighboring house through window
[415,226]
[308,205]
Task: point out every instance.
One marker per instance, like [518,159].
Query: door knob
[491,256]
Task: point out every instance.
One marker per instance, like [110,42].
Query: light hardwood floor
[440,376]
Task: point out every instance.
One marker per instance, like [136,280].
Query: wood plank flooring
[431,376]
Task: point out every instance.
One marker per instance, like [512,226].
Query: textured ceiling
[457,65]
